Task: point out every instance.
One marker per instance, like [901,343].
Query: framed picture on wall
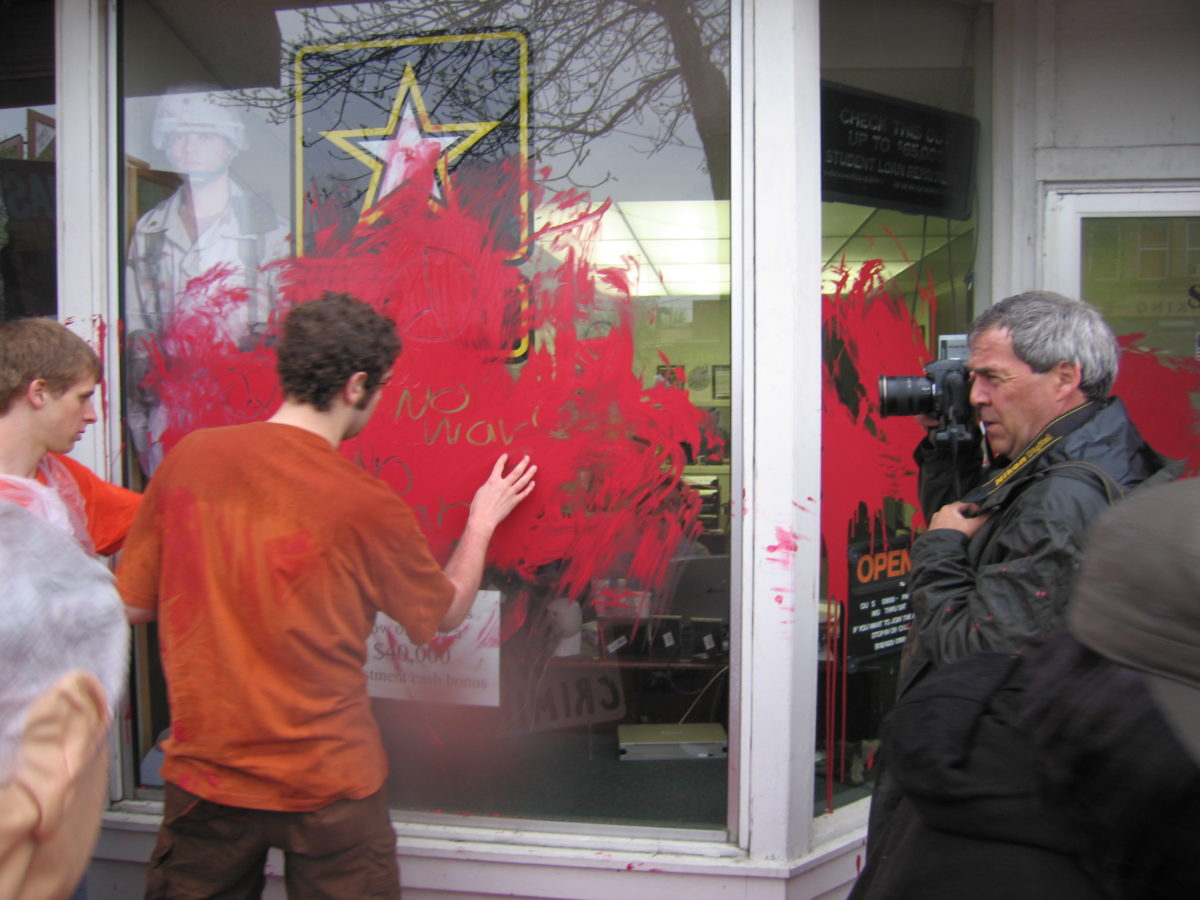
[722,382]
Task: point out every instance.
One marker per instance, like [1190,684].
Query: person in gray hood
[1072,770]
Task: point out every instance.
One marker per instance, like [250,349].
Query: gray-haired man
[996,566]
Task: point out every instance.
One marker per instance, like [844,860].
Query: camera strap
[1046,438]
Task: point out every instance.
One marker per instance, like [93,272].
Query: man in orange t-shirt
[48,376]
[265,555]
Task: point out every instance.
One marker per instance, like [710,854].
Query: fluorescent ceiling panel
[673,248]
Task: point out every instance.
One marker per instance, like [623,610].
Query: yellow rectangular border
[523,101]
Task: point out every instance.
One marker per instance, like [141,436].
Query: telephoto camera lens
[906,395]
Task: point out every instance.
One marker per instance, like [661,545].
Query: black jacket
[1051,777]
[1008,585]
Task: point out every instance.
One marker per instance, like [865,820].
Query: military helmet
[196,111]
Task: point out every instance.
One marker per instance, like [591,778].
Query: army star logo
[410,145]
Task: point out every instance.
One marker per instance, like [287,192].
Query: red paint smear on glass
[462,291]
[200,376]
[1161,392]
[865,458]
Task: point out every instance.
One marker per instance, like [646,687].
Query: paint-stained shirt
[266,555]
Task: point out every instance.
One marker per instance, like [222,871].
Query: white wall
[1124,81]
[1087,91]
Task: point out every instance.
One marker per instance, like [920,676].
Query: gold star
[405,139]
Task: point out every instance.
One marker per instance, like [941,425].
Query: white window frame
[1066,206]
[85,228]
[86,218]
[1191,250]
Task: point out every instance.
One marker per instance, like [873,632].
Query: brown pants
[216,852]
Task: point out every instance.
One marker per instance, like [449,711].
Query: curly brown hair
[36,348]
[325,341]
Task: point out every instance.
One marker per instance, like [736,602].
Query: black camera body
[943,392]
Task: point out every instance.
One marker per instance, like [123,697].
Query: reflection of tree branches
[645,68]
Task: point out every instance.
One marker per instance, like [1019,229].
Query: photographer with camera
[995,567]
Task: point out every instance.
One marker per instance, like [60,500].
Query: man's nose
[89,412]
[978,396]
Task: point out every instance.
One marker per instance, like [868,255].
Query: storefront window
[538,193]
[27,187]
[900,174]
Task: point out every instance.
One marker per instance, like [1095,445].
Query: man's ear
[1067,377]
[355,388]
[37,393]
[64,730]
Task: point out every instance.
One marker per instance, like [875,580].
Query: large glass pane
[538,193]
[1143,272]
[900,232]
[27,126]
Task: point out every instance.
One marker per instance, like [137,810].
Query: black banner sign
[880,151]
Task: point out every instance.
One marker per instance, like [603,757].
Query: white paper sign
[461,666]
